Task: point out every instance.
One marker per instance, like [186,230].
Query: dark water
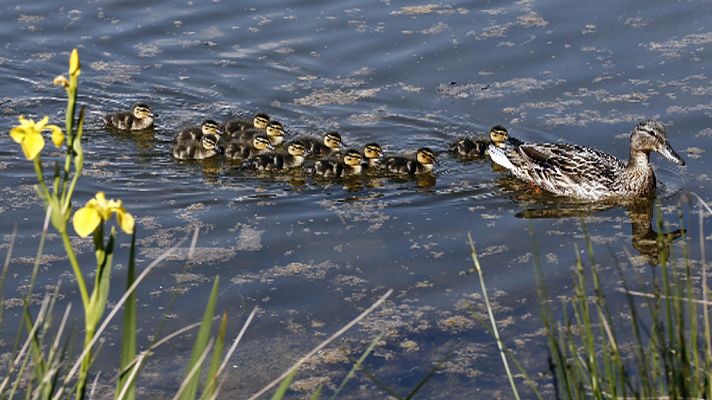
[313,255]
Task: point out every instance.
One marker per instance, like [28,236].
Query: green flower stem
[40,177]
[75,267]
[78,156]
[67,195]
[86,363]
[69,121]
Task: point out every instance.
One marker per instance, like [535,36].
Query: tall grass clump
[662,352]
[663,349]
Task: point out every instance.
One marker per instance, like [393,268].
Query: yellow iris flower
[29,135]
[74,67]
[99,209]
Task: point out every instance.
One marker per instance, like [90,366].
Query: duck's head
[262,142]
[372,151]
[296,149]
[332,140]
[275,131]
[211,142]
[141,111]
[650,136]
[210,127]
[498,135]
[260,121]
[426,157]
[353,158]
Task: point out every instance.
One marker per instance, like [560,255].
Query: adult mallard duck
[585,173]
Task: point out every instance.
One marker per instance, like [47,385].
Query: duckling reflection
[640,211]
[145,139]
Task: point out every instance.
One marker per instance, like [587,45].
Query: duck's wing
[565,169]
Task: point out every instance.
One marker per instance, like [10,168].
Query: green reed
[663,352]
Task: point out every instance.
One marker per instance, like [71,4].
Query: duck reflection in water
[651,244]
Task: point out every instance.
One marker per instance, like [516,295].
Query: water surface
[312,254]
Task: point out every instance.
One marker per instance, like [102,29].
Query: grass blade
[211,377]
[128,335]
[282,389]
[5,267]
[193,374]
[357,365]
[421,383]
[476,261]
[201,341]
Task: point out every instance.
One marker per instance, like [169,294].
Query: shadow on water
[650,243]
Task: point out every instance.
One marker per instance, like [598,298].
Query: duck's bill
[670,154]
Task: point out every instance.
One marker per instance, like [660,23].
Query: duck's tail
[500,157]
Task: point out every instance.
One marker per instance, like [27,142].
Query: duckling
[327,146]
[422,164]
[195,133]
[138,119]
[586,173]
[349,165]
[501,138]
[274,131]
[372,153]
[476,146]
[276,161]
[205,147]
[233,126]
[236,150]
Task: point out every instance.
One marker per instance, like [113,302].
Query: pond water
[313,254]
